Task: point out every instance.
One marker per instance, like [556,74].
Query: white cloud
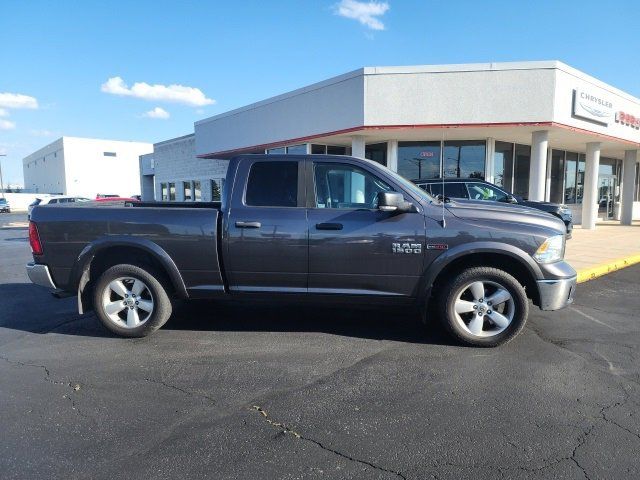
[4,113]
[17,100]
[7,125]
[169,93]
[364,12]
[157,112]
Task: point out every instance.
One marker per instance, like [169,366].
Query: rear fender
[80,274]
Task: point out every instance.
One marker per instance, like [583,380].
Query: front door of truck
[354,248]
[266,237]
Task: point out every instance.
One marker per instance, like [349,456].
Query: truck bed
[186,233]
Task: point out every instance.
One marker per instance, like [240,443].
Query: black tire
[448,293]
[157,286]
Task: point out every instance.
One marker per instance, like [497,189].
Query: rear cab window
[272,184]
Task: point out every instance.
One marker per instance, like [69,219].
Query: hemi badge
[437,246]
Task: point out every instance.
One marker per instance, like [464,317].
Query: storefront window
[503,165]
[419,160]
[164,195]
[318,149]
[172,192]
[216,190]
[571,165]
[186,190]
[297,149]
[522,162]
[376,152]
[580,179]
[556,187]
[464,159]
[336,150]
[278,150]
[197,191]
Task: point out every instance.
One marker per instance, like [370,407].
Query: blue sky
[233,53]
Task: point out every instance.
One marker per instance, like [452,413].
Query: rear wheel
[131,301]
[483,306]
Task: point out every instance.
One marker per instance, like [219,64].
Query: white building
[543,130]
[85,167]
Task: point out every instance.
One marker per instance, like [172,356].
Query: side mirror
[511,199]
[394,202]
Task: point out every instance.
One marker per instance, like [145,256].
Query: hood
[546,206]
[503,212]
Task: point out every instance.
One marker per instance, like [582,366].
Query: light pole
[2,184]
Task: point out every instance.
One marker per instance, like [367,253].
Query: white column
[357,146]
[392,155]
[547,189]
[489,168]
[590,189]
[628,186]
[538,166]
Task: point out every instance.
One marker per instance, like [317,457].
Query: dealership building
[542,130]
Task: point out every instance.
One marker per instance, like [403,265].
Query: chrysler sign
[589,106]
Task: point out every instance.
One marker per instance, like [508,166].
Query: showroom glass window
[164,192]
[172,192]
[571,165]
[419,160]
[556,186]
[580,178]
[278,150]
[376,152]
[503,165]
[297,149]
[216,190]
[186,191]
[522,160]
[197,191]
[464,159]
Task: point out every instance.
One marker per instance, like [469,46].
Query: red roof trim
[280,143]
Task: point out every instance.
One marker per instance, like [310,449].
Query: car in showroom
[5,207]
[478,189]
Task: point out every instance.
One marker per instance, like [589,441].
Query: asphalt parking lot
[237,392]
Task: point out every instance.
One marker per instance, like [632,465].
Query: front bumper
[39,274]
[556,294]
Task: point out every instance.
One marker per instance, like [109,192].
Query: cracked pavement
[315,392]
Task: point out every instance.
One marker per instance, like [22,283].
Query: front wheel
[131,301]
[483,306]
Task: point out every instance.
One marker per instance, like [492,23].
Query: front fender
[441,262]
[80,272]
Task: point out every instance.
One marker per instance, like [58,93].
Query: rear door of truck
[266,237]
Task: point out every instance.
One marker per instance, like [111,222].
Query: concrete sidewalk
[609,247]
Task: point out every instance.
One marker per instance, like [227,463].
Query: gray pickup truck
[332,228]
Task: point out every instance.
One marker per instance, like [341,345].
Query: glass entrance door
[606,191]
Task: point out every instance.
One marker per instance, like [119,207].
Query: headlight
[551,250]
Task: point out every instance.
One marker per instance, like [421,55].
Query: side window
[55,200]
[272,184]
[482,191]
[451,190]
[346,186]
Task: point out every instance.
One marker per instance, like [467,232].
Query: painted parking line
[586,274]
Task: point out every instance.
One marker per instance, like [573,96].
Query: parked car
[5,206]
[334,228]
[117,199]
[106,195]
[54,200]
[477,189]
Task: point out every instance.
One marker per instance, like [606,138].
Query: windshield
[3,200]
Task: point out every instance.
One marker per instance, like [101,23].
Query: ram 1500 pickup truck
[333,228]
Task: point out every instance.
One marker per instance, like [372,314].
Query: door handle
[248,224]
[328,226]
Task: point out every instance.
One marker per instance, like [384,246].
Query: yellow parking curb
[587,274]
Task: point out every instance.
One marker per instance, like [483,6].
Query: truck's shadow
[30,308]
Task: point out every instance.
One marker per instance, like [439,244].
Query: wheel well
[111,256]
[507,263]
